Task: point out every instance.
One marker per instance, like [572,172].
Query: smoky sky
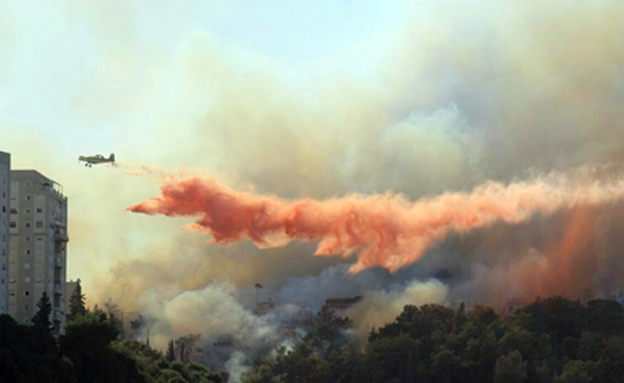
[462,94]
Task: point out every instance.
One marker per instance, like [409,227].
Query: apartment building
[5,178]
[37,246]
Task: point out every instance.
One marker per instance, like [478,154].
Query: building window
[11,280]
[39,210]
[39,279]
[27,252]
[13,211]
[27,280]
[39,239]
[39,224]
[3,209]
[28,197]
[26,293]
[27,265]
[28,211]
[27,239]
[26,307]
[12,224]
[27,225]
[12,293]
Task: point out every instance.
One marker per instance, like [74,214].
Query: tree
[28,354]
[87,342]
[171,351]
[445,366]
[605,316]
[484,315]
[575,371]
[115,316]
[186,345]
[328,333]
[77,302]
[42,317]
[510,368]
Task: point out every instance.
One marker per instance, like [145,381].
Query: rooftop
[27,174]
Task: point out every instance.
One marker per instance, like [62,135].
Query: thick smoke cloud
[465,94]
[380,307]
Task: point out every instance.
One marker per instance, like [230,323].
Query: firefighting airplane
[97,159]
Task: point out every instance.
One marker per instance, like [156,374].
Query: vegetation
[553,340]
[44,311]
[185,346]
[77,302]
[91,350]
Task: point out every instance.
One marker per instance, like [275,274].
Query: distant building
[5,192]
[37,247]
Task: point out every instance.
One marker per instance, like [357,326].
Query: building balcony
[57,289]
[60,234]
[58,262]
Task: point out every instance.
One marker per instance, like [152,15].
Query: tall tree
[186,346]
[115,316]
[171,351]
[329,331]
[510,368]
[77,302]
[42,317]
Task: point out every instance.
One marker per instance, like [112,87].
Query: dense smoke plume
[383,230]
[381,307]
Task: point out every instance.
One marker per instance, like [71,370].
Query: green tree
[186,346]
[445,366]
[77,302]
[576,371]
[42,317]
[484,315]
[115,316]
[28,354]
[264,374]
[329,332]
[86,342]
[605,316]
[171,351]
[510,368]
[302,364]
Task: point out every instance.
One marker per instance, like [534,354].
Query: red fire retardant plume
[385,230]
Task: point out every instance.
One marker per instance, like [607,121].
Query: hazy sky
[298,99]
[96,77]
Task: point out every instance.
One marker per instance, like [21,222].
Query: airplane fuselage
[97,159]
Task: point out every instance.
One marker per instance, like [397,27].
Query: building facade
[37,246]
[5,199]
